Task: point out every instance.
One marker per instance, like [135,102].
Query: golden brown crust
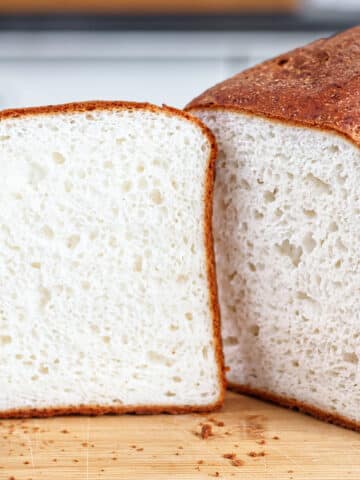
[317,86]
[210,259]
[294,404]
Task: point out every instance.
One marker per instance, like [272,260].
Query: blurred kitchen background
[54,51]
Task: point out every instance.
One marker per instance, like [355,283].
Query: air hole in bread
[47,232]
[270,197]
[231,341]
[309,242]
[290,250]
[254,330]
[258,215]
[204,352]
[158,358]
[5,339]
[170,394]
[45,296]
[126,186]
[309,213]
[137,267]
[340,245]
[72,241]
[319,185]
[44,370]
[58,158]
[244,184]
[252,267]
[156,196]
[350,357]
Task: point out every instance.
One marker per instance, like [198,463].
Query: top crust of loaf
[317,85]
[70,108]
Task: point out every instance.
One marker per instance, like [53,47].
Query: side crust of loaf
[295,405]
[210,267]
[315,86]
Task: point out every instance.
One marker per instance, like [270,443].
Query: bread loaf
[107,292]
[286,222]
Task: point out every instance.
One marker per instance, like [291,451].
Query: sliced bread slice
[287,211]
[108,296]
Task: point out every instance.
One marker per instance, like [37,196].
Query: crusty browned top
[316,85]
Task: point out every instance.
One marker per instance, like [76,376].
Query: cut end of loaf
[109,297]
[285,220]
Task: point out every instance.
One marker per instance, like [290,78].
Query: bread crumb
[231,456]
[216,422]
[114,458]
[64,431]
[200,462]
[12,478]
[236,462]
[76,460]
[85,444]
[261,442]
[256,454]
[206,431]
[26,463]
[133,446]
[290,471]
[139,449]
[181,448]
[275,437]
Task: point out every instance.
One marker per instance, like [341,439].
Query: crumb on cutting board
[229,455]
[256,454]
[206,431]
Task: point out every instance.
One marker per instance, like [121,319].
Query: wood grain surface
[145,6]
[263,442]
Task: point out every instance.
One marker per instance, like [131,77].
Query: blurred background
[54,51]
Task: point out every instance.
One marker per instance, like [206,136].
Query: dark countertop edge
[244,23]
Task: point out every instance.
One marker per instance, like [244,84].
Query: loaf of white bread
[107,291]
[287,226]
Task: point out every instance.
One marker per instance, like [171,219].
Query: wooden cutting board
[269,442]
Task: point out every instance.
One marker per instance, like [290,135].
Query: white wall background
[172,68]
